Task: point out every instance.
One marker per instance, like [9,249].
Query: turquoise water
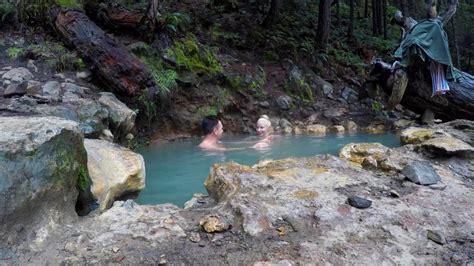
[177,170]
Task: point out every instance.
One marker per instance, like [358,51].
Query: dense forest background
[335,39]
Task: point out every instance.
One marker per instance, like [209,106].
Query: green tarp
[427,38]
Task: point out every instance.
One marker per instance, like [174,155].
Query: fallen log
[458,103]
[120,70]
[113,15]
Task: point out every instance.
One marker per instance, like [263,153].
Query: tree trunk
[338,13]
[121,71]
[366,9]
[404,8]
[374,18]
[324,20]
[273,14]
[455,45]
[350,30]
[384,16]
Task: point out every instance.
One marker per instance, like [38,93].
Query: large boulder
[42,164]
[447,146]
[17,74]
[122,118]
[416,135]
[308,197]
[116,172]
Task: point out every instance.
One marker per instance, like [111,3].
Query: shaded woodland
[333,38]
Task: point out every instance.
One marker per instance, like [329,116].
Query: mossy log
[120,70]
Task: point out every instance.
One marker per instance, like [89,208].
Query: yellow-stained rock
[356,152]
[284,175]
[416,135]
[316,129]
[376,129]
[286,130]
[337,129]
[213,223]
[351,126]
[403,123]
[448,145]
[114,170]
[298,131]
[305,194]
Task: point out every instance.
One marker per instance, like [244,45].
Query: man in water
[212,129]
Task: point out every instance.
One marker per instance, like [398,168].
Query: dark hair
[209,123]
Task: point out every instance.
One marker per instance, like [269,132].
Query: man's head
[212,125]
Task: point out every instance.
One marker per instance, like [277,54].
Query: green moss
[165,78]
[15,52]
[83,179]
[69,3]
[189,55]
[208,110]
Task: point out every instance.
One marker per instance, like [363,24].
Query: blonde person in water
[264,132]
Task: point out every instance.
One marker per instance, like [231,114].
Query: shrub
[15,52]
[189,55]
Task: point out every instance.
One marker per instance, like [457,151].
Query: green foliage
[191,56]
[172,21]
[15,52]
[220,100]
[219,35]
[53,54]
[164,78]
[208,110]
[83,179]
[79,64]
[148,106]
[299,88]
[7,9]
[252,84]
[69,4]
[348,58]
[377,106]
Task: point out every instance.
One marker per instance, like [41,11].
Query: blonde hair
[265,121]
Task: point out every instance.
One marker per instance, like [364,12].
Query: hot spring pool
[177,170]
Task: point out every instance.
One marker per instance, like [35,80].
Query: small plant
[377,106]
[83,179]
[148,106]
[166,80]
[172,21]
[79,64]
[189,55]
[15,52]
[208,110]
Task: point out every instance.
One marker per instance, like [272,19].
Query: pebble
[394,194]
[436,237]
[359,202]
